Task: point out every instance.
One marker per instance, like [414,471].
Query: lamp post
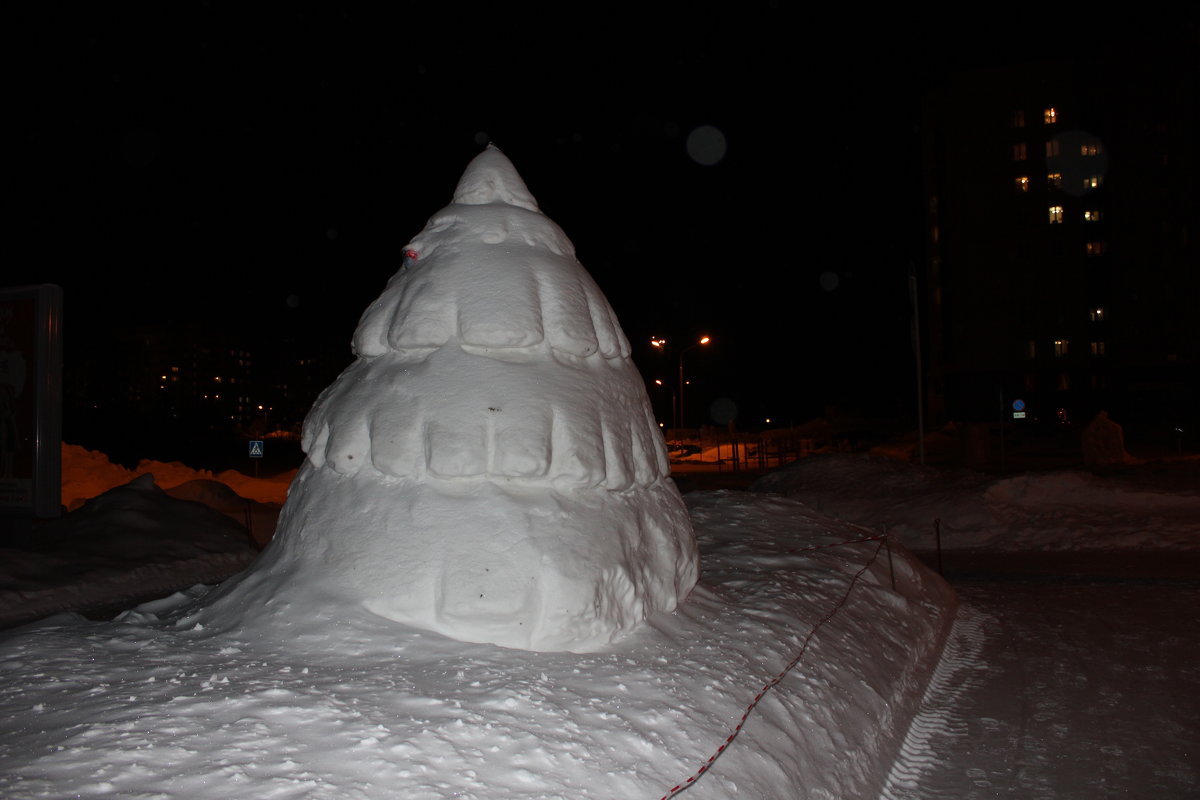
[703,340]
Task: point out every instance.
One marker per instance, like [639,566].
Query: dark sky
[263,169]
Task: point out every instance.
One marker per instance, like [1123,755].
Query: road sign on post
[256,451]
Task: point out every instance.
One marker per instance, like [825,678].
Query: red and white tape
[679,787]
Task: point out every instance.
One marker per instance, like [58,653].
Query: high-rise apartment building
[1062,267]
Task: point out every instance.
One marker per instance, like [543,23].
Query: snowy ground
[1057,689]
[793,670]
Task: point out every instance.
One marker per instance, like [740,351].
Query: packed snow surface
[795,605]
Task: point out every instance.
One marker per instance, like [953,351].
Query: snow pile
[489,467]
[129,543]
[348,704]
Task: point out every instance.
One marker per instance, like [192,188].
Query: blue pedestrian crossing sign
[256,448]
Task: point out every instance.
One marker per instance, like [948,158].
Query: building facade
[1062,273]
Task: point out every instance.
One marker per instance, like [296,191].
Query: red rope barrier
[679,787]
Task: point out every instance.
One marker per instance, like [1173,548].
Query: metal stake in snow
[679,787]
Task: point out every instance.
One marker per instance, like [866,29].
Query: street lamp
[703,340]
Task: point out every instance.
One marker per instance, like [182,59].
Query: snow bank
[129,543]
[923,507]
[88,473]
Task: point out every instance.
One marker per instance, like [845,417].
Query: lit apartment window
[1019,151]
[1054,179]
[1023,183]
[1050,116]
[1052,148]
[1089,149]
[1031,349]
[1097,348]
[1091,182]
[1019,118]
[1060,348]
[1056,214]
[1097,314]
[1091,215]
[1094,248]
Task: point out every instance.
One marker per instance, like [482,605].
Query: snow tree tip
[491,178]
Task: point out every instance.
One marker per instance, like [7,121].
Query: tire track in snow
[941,714]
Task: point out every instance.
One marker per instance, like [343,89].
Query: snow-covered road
[1062,690]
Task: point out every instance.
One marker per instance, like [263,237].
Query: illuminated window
[1091,215]
[1031,349]
[1019,151]
[1022,184]
[1094,248]
[1091,182]
[1097,348]
[1056,214]
[1097,314]
[1060,348]
[1052,148]
[1050,116]
[1054,179]
[1089,149]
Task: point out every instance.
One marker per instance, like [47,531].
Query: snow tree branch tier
[489,467]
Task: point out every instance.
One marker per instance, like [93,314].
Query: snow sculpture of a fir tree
[489,467]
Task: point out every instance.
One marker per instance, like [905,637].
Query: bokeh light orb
[706,145]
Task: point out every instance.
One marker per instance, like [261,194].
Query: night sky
[261,171]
